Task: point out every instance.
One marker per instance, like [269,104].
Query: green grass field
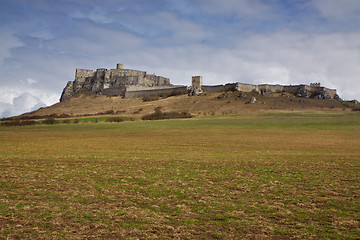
[279,175]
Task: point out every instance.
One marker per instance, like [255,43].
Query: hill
[225,103]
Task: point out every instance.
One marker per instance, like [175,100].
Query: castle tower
[196,82]
[119,66]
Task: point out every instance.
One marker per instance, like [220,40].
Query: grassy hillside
[250,176]
[229,103]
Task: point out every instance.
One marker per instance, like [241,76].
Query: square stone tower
[196,82]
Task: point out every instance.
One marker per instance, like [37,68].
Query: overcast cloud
[251,41]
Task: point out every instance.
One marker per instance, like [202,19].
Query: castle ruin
[302,90]
[118,82]
[133,83]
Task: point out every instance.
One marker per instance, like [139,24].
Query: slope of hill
[205,104]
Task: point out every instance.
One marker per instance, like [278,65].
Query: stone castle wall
[219,88]
[154,91]
[270,88]
[314,90]
[244,87]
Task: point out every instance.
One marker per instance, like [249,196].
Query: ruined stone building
[134,83]
[117,82]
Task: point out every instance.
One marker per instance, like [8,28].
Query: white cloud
[26,102]
[7,110]
[342,10]
[283,57]
[224,41]
[9,93]
[22,103]
[254,9]
[29,81]
[97,15]
[93,40]
[182,30]
[8,42]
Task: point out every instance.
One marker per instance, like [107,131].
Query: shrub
[109,112]
[76,120]
[66,121]
[138,111]
[119,119]
[64,115]
[115,119]
[158,115]
[18,123]
[50,121]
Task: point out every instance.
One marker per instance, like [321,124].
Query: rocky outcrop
[265,91]
[242,95]
[252,100]
[67,92]
[303,93]
[195,91]
[322,95]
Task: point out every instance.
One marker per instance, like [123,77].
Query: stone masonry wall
[155,91]
[271,88]
[244,87]
[219,88]
[299,90]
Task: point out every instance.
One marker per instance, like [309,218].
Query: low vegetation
[251,176]
[159,115]
[120,119]
[58,116]
[52,121]
[18,123]
[30,117]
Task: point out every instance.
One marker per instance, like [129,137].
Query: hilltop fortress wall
[219,88]
[133,83]
[312,90]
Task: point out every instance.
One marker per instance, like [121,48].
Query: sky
[252,41]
